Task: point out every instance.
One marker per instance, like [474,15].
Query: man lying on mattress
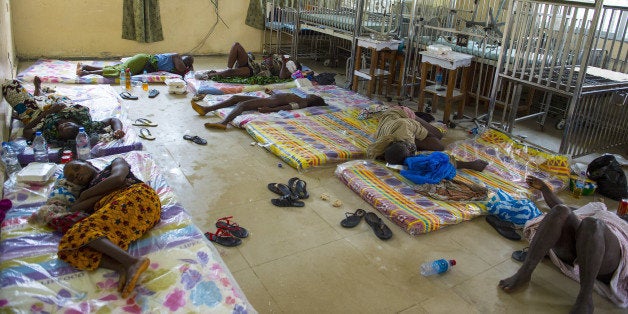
[242,64]
[168,62]
[60,119]
[589,245]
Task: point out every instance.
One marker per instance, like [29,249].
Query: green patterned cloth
[141,21]
[255,15]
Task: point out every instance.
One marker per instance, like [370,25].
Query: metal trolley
[577,51]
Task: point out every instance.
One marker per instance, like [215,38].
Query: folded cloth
[617,290]
[454,190]
[508,208]
[432,168]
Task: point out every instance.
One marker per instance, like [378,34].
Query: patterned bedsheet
[509,162]
[337,99]
[103,102]
[60,71]
[186,274]
[216,88]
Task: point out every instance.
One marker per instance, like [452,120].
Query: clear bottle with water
[122,79]
[438,266]
[83,147]
[40,148]
[439,78]
[9,157]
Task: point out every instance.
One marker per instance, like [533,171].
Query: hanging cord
[211,29]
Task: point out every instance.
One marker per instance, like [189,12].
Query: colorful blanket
[315,140]
[215,88]
[186,274]
[509,162]
[59,71]
[337,99]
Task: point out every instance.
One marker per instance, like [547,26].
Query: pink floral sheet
[60,71]
[186,274]
[337,99]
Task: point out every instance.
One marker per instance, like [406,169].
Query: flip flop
[298,188]
[379,227]
[353,219]
[128,288]
[287,201]
[505,228]
[233,228]
[127,95]
[223,237]
[196,139]
[153,93]
[520,255]
[144,122]
[279,189]
[145,134]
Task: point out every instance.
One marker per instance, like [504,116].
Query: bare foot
[79,68]
[216,126]
[198,108]
[513,283]
[478,165]
[535,182]
[133,274]
[583,306]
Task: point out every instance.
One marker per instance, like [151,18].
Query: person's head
[397,152]
[315,101]
[79,172]
[188,61]
[67,130]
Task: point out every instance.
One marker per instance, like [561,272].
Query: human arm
[119,170]
[548,195]
[274,109]
[179,66]
[116,126]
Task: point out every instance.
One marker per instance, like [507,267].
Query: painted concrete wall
[8,64]
[93,28]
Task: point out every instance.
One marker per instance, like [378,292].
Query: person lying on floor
[276,102]
[241,64]
[168,62]
[589,245]
[115,209]
[60,120]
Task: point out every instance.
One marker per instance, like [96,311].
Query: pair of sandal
[228,233]
[290,194]
[379,227]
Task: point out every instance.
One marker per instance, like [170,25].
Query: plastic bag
[609,176]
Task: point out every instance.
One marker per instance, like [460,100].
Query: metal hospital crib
[578,51]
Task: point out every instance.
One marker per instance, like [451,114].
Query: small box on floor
[176,86]
[36,172]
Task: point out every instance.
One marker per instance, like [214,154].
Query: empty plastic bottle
[438,266]
[40,148]
[122,79]
[9,157]
[83,147]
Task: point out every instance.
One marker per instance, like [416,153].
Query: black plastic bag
[609,176]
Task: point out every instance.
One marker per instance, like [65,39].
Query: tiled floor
[300,260]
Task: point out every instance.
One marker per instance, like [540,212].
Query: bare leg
[37,82]
[430,128]
[109,263]
[203,110]
[477,165]
[131,266]
[252,104]
[431,143]
[556,231]
[90,67]
[598,256]
[237,53]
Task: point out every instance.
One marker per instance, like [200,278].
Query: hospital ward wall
[93,28]
[8,64]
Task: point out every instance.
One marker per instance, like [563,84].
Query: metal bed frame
[577,51]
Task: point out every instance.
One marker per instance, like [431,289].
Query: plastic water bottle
[9,157]
[127,79]
[40,148]
[145,82]
[438,266]
[439,78]
[122,79]
[83,147]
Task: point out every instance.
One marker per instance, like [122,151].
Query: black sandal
[353,219]
[233,228]
[298,188]
[196,139]
[223,237]
[279,189]
[381,230]
[287,201]
[520,255]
